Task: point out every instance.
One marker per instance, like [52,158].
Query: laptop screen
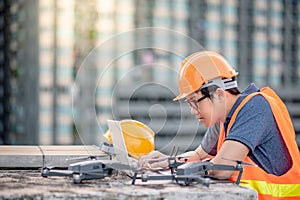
[118,142]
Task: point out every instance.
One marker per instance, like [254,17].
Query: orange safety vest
[269,186]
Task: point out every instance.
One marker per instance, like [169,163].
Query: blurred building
[43,44]
[56,60]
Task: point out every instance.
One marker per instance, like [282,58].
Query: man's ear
[219,95]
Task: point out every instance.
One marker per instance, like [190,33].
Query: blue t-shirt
[256,128]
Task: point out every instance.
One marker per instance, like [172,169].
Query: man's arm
[208,145]
[232,150]
[209,142]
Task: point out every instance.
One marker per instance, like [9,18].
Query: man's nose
[194,111]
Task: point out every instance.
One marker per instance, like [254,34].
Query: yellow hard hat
[139,138]
[200,68]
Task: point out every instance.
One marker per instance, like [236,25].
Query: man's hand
[154,160]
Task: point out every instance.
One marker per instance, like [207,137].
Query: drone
[185,173]
[198,171]
[86,170]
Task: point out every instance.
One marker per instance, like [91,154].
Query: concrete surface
[25,184]
[18,182]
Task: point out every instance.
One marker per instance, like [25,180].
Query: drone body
[199,171]
[86,170]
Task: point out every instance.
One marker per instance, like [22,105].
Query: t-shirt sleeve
[252,121]
[210,139]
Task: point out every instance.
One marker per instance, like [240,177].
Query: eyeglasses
[194,104]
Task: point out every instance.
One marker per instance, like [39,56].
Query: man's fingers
[162,164]
[143,159]
[152,160]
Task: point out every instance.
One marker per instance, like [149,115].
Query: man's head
[205,80]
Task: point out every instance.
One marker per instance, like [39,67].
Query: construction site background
[44,44]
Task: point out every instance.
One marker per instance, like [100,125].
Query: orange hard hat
[139,138]
[200,68]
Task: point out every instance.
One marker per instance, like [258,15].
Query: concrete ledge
[20,156]
[39,156]
[57,155]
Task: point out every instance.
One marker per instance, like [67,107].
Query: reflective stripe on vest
[267,185]
[272,189]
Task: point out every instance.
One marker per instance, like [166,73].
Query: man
[253,126]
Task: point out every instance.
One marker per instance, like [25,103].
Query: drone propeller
[174,151]
[86,157]
[152,160]
[240,162]
[46,168]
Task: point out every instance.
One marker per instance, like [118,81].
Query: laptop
[120,147]
[122,154]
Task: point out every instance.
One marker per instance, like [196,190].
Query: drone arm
[58,173]
[224,167]
[221,171]
[239,176]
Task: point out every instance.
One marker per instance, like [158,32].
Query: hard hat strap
[225,84]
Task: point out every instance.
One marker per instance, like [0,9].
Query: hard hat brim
[179,97]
